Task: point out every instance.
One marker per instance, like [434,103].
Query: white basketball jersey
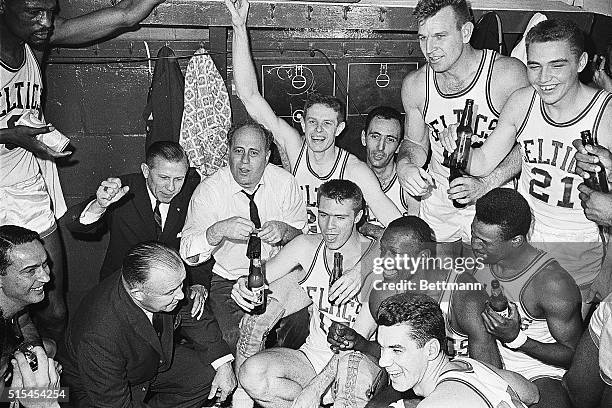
[440,111]
[20,92]
[456,342]
[493,389]
[310,181]
[550,186]
[316,285]
[535,328]
[547,179]
[396,193]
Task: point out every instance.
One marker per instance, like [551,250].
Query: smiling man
[29,185]
[411,336]
[275,377]
[247,196]
[433,99]
[314,158]
[120,349]
[545,119]
[382,136]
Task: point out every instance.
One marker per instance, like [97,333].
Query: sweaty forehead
[28,254]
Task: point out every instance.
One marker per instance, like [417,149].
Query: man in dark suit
[139,207]
[120,350]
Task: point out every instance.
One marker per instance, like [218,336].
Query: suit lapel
[143,205]
[137,319]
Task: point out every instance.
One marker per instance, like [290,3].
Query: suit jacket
[130,222]
[112,353]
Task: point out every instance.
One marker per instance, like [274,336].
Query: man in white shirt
[221,218]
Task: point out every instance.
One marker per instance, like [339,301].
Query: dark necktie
[158,219]
[158,324]
[254,245]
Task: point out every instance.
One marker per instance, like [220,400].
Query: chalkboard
[372,84]
[287,86]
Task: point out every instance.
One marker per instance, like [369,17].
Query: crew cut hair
[420,313]
[340,190]
[165,150]
[557,30]
[329,101]
[506,208]
[428,8]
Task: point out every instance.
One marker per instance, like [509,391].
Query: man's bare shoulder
[414,88]
[453,394]
[507,66]
[554,282]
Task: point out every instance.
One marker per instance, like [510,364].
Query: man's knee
[254,376]
[359,378]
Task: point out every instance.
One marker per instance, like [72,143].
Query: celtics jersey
[310,181]
[20,92]
[400,198]
[534,327]
[549,184]
[440,111]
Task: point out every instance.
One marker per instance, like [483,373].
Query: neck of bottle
[466,116]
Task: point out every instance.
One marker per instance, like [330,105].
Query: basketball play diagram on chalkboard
[372,84]
[287,86]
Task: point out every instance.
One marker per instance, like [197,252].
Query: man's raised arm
[245,81]
[101,23]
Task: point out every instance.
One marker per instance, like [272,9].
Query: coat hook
[311,49]
[309,15]
[381,14]
[272,7]
[345,11]
[201,44]
[131,48]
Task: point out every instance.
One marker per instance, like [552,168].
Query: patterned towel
[207,115]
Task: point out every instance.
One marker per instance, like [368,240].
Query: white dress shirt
[218,197]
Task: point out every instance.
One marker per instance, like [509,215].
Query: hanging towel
[519,51]
[164,108]
[207,115]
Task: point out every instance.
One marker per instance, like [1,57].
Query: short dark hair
[265,133]
[329,101]
[506,208]
[10,237]
[385,112]
[145,256]
[340,190]
[420,312]
[165,150]
[428,8]
[416,229]
[557,30]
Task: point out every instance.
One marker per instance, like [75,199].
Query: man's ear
[145,170]
[358,217]
[340,128]
[268,156]
[583,61]
[433,349]
[466,32]
[363,138]
[518,241]
[137,294]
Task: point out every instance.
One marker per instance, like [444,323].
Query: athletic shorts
[580,253]
[27,204]
[600,328]
[448,223]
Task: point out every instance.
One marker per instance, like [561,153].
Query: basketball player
[545,119]
[30,193]
[381,137]
[315,157]
[465,333]
[411,335]
[274,377]
[433,99]
[544,324]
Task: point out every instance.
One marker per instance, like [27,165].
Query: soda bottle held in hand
[498,301]
[256,284]
[597,181]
